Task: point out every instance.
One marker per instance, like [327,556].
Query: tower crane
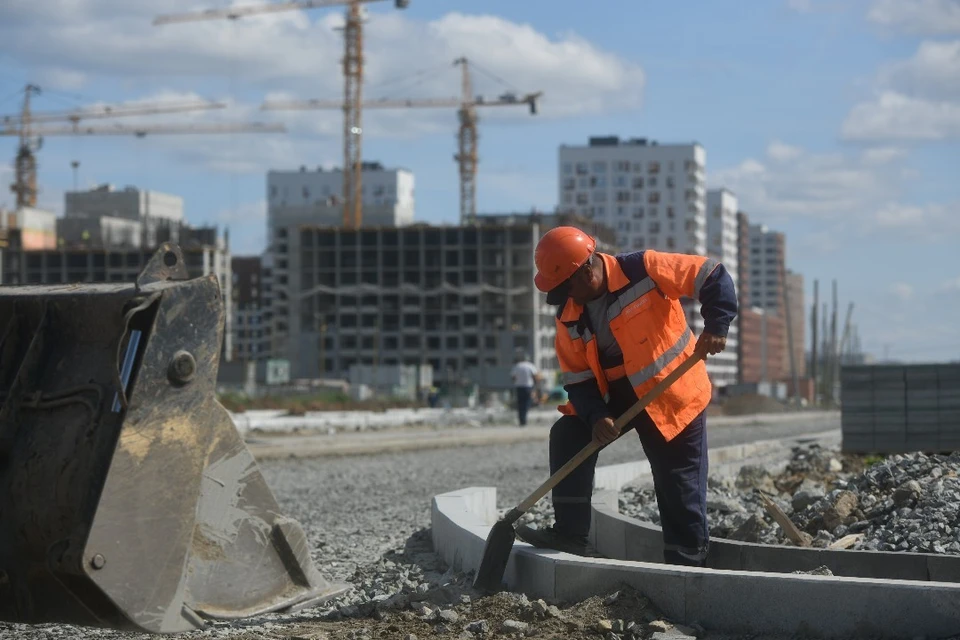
[352,82]
[23,126]
[466,157]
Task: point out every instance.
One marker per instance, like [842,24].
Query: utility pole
[352,117]
[825,352]
[833,345]
[843,343]
[790,350]
[813,343]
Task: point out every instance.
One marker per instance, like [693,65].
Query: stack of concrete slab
[900,408]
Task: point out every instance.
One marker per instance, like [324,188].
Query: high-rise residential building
[250,336]
[722,245]
[131,217]
[304,197]
[762,275]
[652,195]
[388,196]
[768,273]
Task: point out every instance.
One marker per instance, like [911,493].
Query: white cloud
[894,116]
[882,155]
[932,222]
[299,53]
[902,290]
[917,99]
[931,17]
[792,183]
[800,6]
[780,151]
[951,286]
[933,72]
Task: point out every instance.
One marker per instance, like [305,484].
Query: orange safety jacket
[650,327]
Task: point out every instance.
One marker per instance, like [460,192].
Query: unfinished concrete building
[458,298]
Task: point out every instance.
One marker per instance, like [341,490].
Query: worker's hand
[604,431]
[709,344]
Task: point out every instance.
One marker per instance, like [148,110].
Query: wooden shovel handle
[621,423]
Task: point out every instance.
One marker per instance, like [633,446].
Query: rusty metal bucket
[127,497]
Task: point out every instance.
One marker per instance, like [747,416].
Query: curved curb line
[729,601]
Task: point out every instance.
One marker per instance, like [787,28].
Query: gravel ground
[367,520]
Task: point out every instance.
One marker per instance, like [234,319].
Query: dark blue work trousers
[523,403]
[679,469]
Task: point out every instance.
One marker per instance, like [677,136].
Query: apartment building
[652,195]
[722,245]
[768,273]
[250,335]
[131,217]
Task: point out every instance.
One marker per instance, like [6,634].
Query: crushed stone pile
[905,503]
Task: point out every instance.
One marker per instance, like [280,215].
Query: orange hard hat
[560,252]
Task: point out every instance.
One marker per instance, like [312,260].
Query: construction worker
[524,376]
[620,330]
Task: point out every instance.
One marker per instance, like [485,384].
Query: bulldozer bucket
[127,497]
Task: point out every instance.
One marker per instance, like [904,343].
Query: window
[621,211]
[653,197]
[638,196]
[653,167]
[623,225]
[623,196]
[470,342]
[568,198]
[581,168]
[638,242]
[599,196]
[670,181]
[620,181]
[671,213]
[411,342]
[453,342]
[638,182]
[670,243]
[653,212]
[582,198]
[654,227]
[638,167]
[433,342]
[599,166]
[652,182]
[584,182]
[623,166]
[567,168]
[569,184]
[638,212]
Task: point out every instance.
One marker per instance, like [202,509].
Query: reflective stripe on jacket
[648,323]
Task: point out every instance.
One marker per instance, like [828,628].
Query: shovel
[496,554]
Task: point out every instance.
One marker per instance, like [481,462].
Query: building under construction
[458,298]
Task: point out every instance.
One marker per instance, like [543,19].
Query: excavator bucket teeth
[127,497]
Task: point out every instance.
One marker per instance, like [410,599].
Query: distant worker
[620,330]
[525,375]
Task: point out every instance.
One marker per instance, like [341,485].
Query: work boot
[550,538]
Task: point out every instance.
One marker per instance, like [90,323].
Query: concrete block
[820,606]
[856,397]
[643,542]
[532,571]
[725,554]
[612,477]
[762,557]
[943,568]
[857,443]
[611,534]
[662,584]
[922,420]
[922,442]
[877,564]
[883,374]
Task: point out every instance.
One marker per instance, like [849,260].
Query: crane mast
[352,118]
[352,104]
[25,165]
[467,137]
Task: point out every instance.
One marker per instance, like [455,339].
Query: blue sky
[835,121]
